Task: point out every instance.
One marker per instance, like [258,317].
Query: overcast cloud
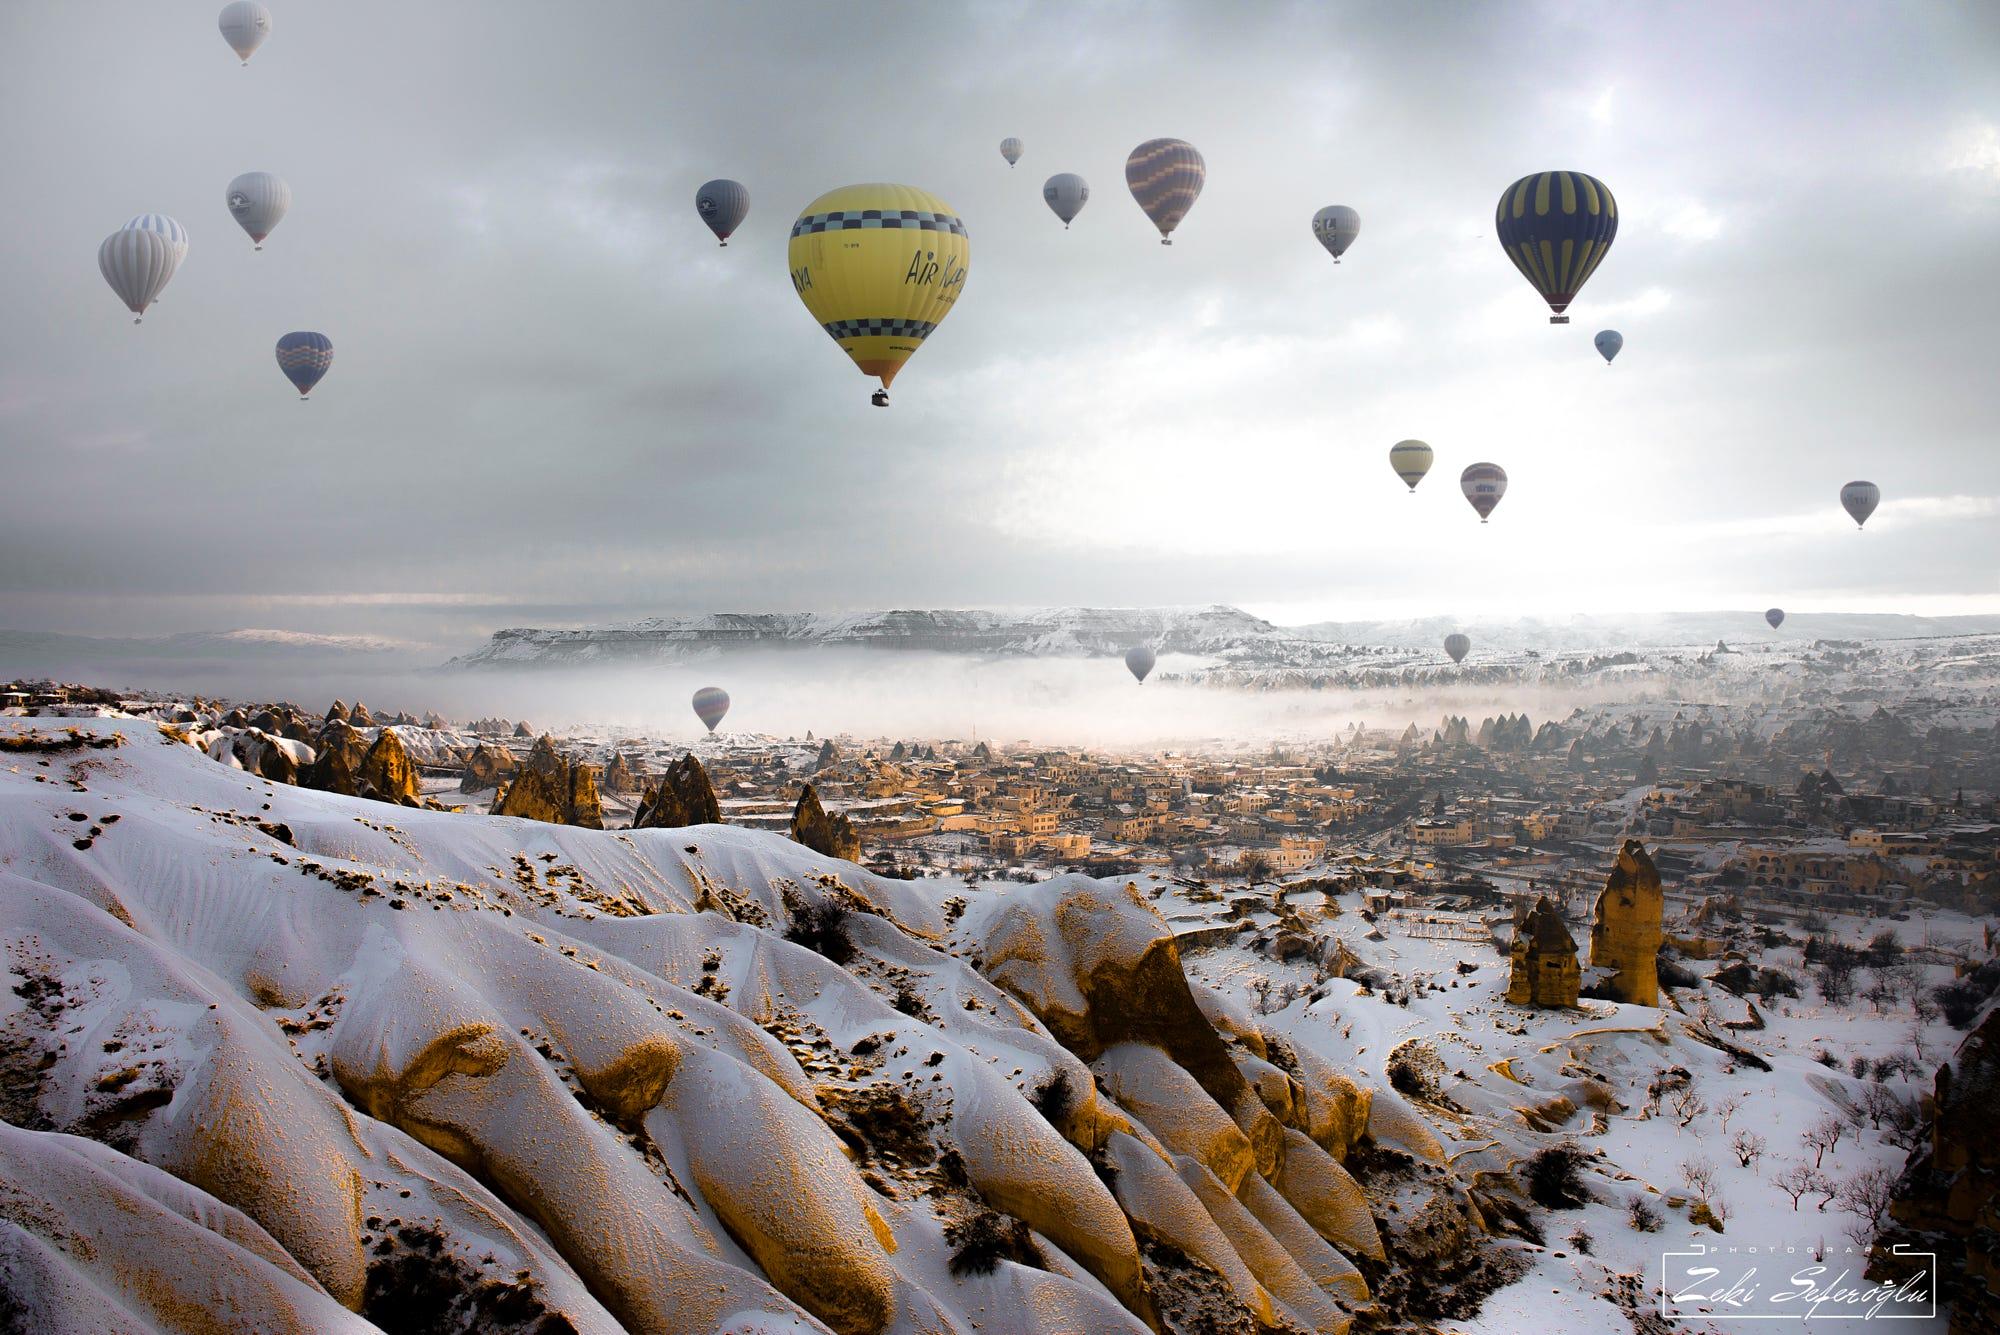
[555,400]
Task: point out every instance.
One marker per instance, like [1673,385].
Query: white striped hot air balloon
[176,235]
[1010,149]
[244,25]
[138,263]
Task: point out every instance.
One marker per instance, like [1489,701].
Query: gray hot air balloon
[1776,616]
[723,205]
[1336,226]
[710,704]
[1066,193]
[1483,485]
[1411,459]
[138,263]
[1139,659]
[244,26]
[1458,646]
[1010,149]
[1608,342]
[258,201]
[1859,499]
[1165,177]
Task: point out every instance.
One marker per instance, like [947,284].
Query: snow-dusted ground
[345,1053]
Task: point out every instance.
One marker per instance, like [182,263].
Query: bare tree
[1747,1146]
[1688,1105]
[1867,1196]
[1796,1180]
[1699,1175]
[1726,1109]
[1822,1136]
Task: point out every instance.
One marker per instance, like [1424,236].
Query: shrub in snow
[1643,1215]
[1555,1177]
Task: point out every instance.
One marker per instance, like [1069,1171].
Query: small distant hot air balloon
[1010,149]
[1411,459]
[1458,646]
[710,704]
[1608,342]
[138,263]
[304,358]
[169,228]
[1556,227]
[879,267]
[1775,616]
[1859,499]
[1336,226]
[1483,485]
[1165,177]
[258,201]
[723,205]
[244,26]
[1139,660]
[1066,194]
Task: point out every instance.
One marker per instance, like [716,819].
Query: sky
[555,401]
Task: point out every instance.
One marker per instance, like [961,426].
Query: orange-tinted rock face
[831,835]
[552,789]
[1626,933]
[1545,969]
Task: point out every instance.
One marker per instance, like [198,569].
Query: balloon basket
[1558,319]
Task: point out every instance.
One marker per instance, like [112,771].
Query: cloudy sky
[554,400]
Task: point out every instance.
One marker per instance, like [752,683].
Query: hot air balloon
[1859,499]
[1458,646]
[1336,226]
[1483,485]
[1066,194]
[258,201]
[1775,616]
[304,357]
[138,263]
[1010,149]
[723,205]
[710,704]
[1608,342]
[879,267]
[244,26]
[175,234]
[1139,659]
[1411,459]
[1556,227]
[1165,176]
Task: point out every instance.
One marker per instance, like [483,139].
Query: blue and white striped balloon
[176,235]
[304,357]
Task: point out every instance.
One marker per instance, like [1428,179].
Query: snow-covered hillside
[277,1060]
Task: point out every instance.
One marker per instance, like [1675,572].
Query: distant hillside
[26,652]
[1642,630]
[1214,632]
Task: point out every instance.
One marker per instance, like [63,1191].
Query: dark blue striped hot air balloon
[304,357]
[1556,227]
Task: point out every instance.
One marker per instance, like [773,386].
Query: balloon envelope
[1458,646]
[1066,194]
[1859,499]
[258,201]
[138,264]
[723,205]
[1139,659]
[1557,227]
[244,26]
[304,358]
[1483,485]
[1776,616]
[1608,342]
[1336,226]
[1010,149]
[169,228]
[1411,459]
[710,704]
[879,267]
[1165,177]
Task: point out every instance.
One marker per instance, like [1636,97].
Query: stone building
[1625,935]
[1545,968]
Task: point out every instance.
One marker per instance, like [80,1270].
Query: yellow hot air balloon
[879,266]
